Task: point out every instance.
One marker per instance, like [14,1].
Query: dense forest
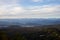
[46,32]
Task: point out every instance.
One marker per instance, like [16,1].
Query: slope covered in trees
[47,32]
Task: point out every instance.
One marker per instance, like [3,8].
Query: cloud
[37,0]
[16,11]
[2,2]
[45,11]
[11,9]
[46,1]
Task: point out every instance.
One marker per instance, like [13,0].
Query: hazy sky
[29,8]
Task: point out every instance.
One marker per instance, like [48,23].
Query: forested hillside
[31,33]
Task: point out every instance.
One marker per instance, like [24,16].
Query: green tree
[18,36]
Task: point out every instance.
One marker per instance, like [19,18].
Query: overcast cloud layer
[29,8]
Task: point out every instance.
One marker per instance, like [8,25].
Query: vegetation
[30,33]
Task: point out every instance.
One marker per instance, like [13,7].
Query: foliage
[44,34]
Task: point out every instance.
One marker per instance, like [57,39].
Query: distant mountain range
[31,21]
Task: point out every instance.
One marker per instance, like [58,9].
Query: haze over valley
[29,22]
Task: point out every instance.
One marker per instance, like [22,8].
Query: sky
[29,9]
